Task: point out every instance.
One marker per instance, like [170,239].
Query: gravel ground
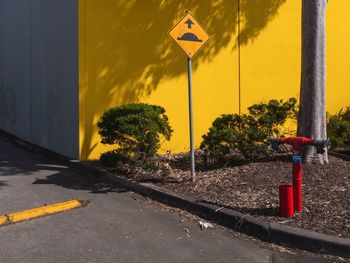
[252,188]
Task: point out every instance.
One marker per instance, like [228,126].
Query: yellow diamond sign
[189,35]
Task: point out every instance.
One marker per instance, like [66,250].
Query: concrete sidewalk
[114,227]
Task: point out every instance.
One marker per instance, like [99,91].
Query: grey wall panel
[2,108]
[15,90]
[55,75]
[48,90]
[40,89]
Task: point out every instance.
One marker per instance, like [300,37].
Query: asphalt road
[116,226]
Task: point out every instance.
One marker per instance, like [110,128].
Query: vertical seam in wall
[77,82]
[239,55]
[87,74]
[84,154]
[30,72]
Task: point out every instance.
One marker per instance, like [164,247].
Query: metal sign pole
[193,170]
[191,37]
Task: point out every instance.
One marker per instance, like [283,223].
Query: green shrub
[114,159]
[246,133]
[136,131]
[345,113]
[338,128]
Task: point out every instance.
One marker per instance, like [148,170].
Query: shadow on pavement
[45,170]
[76,181]
[56,174]
[2,183]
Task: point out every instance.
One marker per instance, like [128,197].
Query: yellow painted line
[39,212]
[3,220]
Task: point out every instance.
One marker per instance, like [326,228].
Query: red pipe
[286,201]
[297,143]
[297,183]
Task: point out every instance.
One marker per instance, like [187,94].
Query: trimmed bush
[338,128]
[247,133]
[136,130]
[114,159]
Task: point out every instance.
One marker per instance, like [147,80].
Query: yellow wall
[338,55]
[126,55]
[270,65]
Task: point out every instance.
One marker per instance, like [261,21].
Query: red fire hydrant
[297,143]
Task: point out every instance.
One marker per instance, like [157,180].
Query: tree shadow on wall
[129,52]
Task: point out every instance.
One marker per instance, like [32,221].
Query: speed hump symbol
[189,35]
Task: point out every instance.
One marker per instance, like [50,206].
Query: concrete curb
[269,232]
[340,155]
[309,240]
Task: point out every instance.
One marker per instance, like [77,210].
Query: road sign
[189,35]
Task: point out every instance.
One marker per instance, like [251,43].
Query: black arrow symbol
[189,23]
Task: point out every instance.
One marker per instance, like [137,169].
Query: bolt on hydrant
[295,197]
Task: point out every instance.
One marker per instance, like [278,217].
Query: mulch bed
[252,188]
